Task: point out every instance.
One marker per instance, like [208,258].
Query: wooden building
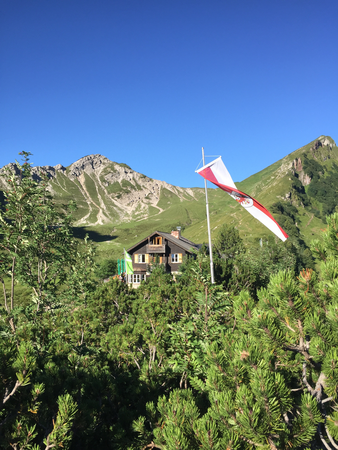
[168,249]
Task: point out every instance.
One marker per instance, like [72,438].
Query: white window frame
[174,258]
[138,277]
[141,258]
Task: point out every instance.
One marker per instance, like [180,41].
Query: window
[137,278]
[141,258]
[176,257]
[158,240]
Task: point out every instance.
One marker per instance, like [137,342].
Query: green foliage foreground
[171,365]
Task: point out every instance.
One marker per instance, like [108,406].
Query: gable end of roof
[182,242]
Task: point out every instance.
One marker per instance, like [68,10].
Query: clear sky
[149,82]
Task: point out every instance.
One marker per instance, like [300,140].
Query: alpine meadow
[249,362]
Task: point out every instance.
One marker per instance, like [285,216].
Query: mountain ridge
[116,201]
[127,193]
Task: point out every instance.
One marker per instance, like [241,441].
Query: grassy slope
[67,190]
[267,189]
[111,238]
[267,186]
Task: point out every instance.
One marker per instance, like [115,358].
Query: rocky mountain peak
[324,141]
[87,164]
[50,171]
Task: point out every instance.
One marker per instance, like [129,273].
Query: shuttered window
[176,257]
[140,258]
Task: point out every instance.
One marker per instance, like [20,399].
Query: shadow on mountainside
[80,232]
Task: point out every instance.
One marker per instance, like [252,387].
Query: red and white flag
[217,173]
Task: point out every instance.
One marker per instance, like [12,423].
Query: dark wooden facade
[168,249]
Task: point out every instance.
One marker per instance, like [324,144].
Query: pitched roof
[181,242]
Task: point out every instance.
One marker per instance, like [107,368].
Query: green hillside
[117,206]
[279,182]
[249,361]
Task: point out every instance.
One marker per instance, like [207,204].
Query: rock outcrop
[304,178]
[297,164]
[37,171]
[298,167]
[114,192]
[105,191]
[87,164]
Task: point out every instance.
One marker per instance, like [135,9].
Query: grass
[67,190]
[114,188]
[110,168]
[267,186]
[22,294]
[125,165]
[127,185]
[91,188]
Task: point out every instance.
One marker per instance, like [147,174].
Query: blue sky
[149,82]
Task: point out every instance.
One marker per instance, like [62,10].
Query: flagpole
[208,222]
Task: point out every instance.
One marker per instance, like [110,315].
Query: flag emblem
[218,174]
[246,202]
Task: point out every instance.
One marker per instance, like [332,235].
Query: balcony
[151,248]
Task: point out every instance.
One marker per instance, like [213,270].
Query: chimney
[176,233]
